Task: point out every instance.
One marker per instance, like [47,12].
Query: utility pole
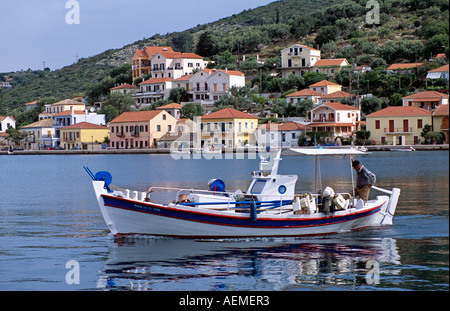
[43,64]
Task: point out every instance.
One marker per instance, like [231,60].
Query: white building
[276,135]
[41,135]
[6,122]
[439,73]
[339,119]
[209,85]
[152,90]
[175,64]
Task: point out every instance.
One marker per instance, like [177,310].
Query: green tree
[326,34]
[120,101]
[303,107]
[15,135]
[371,104]
[437,44]
[205,45]
[110,112]
[191,110]
[178,94]
[183,41]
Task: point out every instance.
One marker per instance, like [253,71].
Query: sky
[52,31]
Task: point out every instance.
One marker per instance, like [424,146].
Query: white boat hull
[128,216]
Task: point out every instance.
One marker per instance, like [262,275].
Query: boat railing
[230,200]
[382,190]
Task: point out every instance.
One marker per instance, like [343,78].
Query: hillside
[409,31]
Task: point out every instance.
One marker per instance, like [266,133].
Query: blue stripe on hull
[231,220]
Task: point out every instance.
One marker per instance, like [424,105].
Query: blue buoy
[216,185]
[104,176]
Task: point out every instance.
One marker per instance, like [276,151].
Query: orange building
[140,129]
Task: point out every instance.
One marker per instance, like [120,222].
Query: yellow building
[83,135]
[326,87]
[228,127]
[398,125]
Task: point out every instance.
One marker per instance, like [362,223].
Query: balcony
[397,130]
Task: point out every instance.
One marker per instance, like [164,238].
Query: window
[169,128]
[377,124]
[258,186]
[419,123]
[230,125]
[164,116]
[146,128]
[158,128]
[190,65]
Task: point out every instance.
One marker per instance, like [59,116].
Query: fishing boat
[269,208]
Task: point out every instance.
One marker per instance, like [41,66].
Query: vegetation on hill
[409,31]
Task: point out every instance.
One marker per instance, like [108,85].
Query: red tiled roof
[85,125]
[288,126]
[4,117]
[318,124]
[136,116]
[442,110]
[339,106]
[323,83]
[404,66]
[330,62]
[337,94]
[31,103]
[184,78]
[170,106]
[123,86]
[427,95]
[229,113]
[440,69]
[149,51]
[156,80]
[172,54]
[304,92]
[400,111]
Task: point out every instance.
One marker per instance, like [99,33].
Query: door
[405,126]
[391,126]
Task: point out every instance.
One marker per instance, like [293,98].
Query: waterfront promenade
[235,150]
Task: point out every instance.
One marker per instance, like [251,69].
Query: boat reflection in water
[247,264]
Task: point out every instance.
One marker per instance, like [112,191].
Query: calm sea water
[49,217]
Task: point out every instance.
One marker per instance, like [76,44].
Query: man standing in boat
[365,179]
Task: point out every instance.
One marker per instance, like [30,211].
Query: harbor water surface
[50,226]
